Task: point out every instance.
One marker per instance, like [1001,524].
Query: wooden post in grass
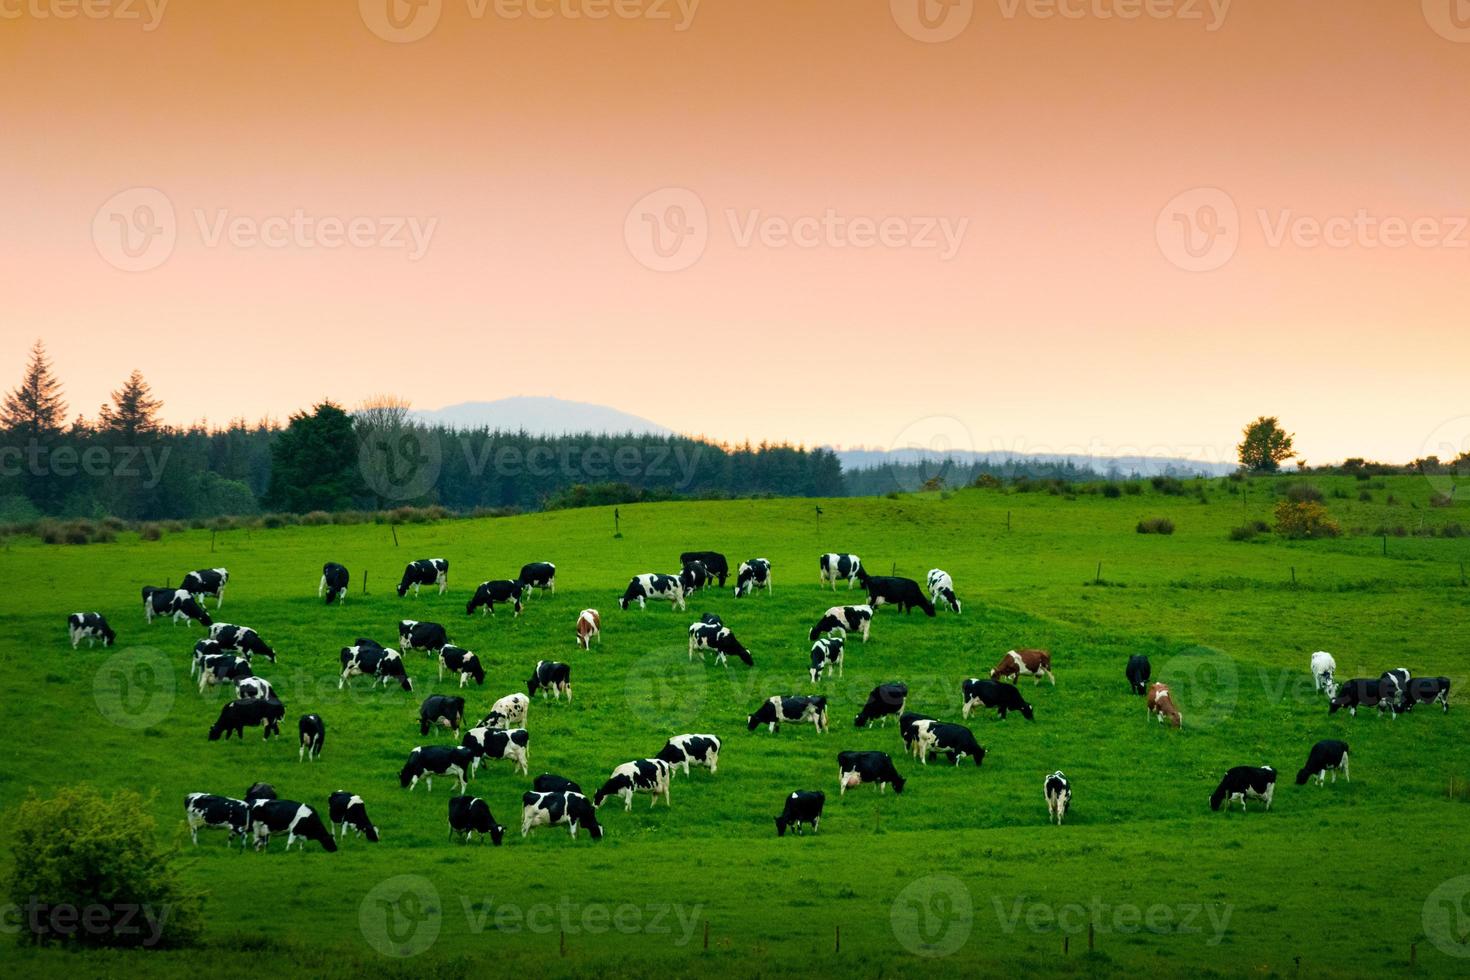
[1385,544]
[706,934]
[1008,521]
[1293,575]
[617,523]
[1089,937]
[837,942]
[364,581]
[1066,942]
[394,529]
[211,542]
[1413,954]
[1096,579]
[564,943]
[1462,573]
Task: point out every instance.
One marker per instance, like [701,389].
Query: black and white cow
[552,809]
[754,573]
[501,590]
[695,576]
[223,669]
[510,711]
[550,677]
[856,768]
[207,582]
[908,727]
[428,637]
[941,590]
[242,638]
[1392,689]
[549,782]
[978,692]
[1330,753]
[173,602]
[802,807]
[1138,671]
[425,571]
[91,626]
[203,650]
[217,813]
[835,566]
[367,659]
[537,575]
[844,619]
[463,662]
[884,701]
[254,687]
[651,776]
[796,709]
[713,561]
[489,743]
[1360,692]
[334,582]
[1058,794]
[260,791]
[1427,690]
[442,710]
[1244,782]
[244,713]
[955,741]
[703,636]
[427,761]
[897,591]
[687,750]
[826,654]
[652,585]
[295,820]
[345,810]
[711,619]
[471,815]
[311,732]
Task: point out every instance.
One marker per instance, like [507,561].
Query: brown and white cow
[1018,662]
[589,624]
[1162,704]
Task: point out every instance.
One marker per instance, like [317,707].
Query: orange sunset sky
[1164,217]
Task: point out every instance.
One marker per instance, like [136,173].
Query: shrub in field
[1454,529]
[1156,525]
[1249,530]
[1303,493]
[1112,491]
[1365,496]
[1168,485]
[1305,520]
[150,532]
[317,518]
[1133,488]
[273,521]
[986,481]
[1442,500]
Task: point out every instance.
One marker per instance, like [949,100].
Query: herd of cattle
[226,657]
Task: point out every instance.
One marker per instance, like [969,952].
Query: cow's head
[497,833]
[764,715]
[623,602]
[410,770]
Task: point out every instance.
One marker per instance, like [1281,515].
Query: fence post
[1098,577]
[364,581]
[1066,943]
[1089,936]
[563,942]
[1293,575]
[837,943]
[394,529]
[1008,520]
[1413,953]
[706,934]
[211,542]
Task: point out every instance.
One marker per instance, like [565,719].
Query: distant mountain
[540,417]
[867,459]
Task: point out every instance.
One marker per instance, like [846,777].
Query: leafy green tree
[35,408]
[1265,445]
[314,463]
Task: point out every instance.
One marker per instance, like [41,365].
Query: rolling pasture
[959,874]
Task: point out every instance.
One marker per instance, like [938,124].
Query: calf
[471,815]
[90,627]
[1005,698]
[1326,754]
[463,662]
[1058,796]
[908,728]
[427,761]
[826,654]
[1161,703]
[955,741]
[294,819]
[1428,690]
[703,636]
[713,561]
[429,637]
[207,582]
[802,807]
[345,810]
[1323,667]
[367,659]
[651,776]
[173,602]
[311,732]
[1360,692]
[694,576]
[1244,782]
[1391,690]
[844,619]
[551,809]
[509,711]
[254,687]
[941,590]
[551,783]
[651,585]
[242,638]
[244,713]
[551,677]
[425,571]
[334,582]
[488,743]
[1017,662]
[1138,671]
[537,575]
[894,590]
[217,813]
[441,709]
[501,590]
[835,566]
[687,750]
[856,768]
[754,573]
[223,669]
[589,624]
[796,709]
[884,701]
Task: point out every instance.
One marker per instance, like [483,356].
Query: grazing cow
[908,727]
[441,709]
[1242,782]
[427,761]
[537,575]
[1392,687]
[487,743]
[695,576]
[550,677]
[1139,670]
[977,692]
[91,627]
[1427,690]
[1018,662]
[429,637]
[217,813]
[687,750]
[551,783]
[651,585]
[1326,754]
[1323,667]
[795,709]
[894,590]
[802,807]
[345,810]
[173,602]
[826,654]
[704,637]
[884,701]
[1161,703]
[834,567]
[551,809]
[367,659]
[713,561]
[311,731]
[1360,692]
[244,713]
[242,638]
[844,619]
[207,582]
[754,573]
[651,776]
[1058,794]
[203,650]
[711,619]
[955,741]
[589,624]
[508,712]
[334,582]
[296,820]
[856,768]
[260,791]
[941,590]
[223,669]
[462,662]
[425,571]
[254,687]
[500,590]
[471,815]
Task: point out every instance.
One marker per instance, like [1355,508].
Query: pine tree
[36,407]
[133,409]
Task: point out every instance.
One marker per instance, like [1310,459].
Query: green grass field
[960,874]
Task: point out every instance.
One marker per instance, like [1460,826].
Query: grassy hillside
[960,873]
